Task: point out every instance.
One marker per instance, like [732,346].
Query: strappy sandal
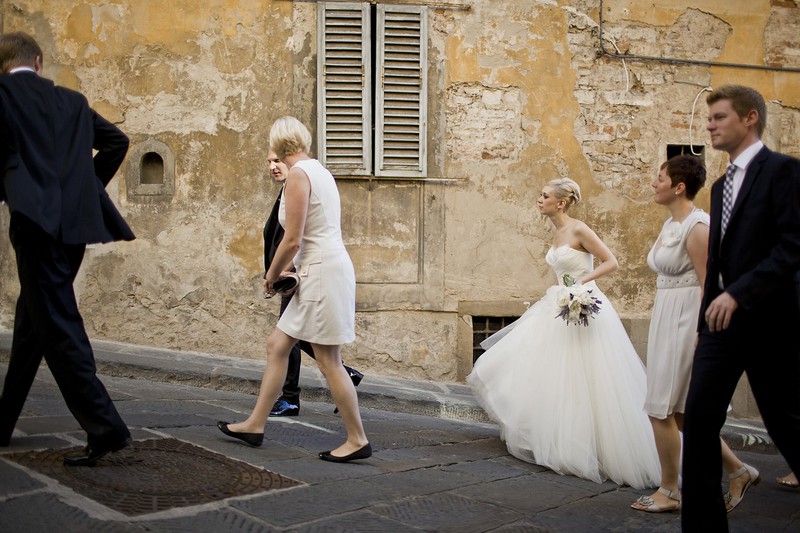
[648,505]
[731,502]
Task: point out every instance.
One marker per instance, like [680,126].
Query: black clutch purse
[283,286]
[287,284]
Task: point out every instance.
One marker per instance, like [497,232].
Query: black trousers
[759,344]
[48,325]
[291,387]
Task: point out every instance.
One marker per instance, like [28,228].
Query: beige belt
[688,279]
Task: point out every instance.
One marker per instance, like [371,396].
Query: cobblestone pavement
[438,464]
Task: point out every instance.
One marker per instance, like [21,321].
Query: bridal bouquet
[576,302]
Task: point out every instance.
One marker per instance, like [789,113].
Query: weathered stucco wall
[206,79]
[519,94]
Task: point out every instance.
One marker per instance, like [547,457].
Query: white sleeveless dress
[673,326]
[566,396]
[323,308]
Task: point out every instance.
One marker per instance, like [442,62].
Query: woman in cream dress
[679,257]
[322,312]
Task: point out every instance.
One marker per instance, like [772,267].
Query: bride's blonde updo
[566,189]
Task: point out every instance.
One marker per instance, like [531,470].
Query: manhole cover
[155,475]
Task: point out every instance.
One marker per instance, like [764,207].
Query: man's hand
[720,312]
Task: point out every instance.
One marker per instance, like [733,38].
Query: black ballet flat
[361,453]
[253,439]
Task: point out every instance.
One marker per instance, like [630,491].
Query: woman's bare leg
[731,463]
[668,445]
[279,345]
[344,396]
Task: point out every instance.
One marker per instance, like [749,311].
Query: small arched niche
[152,169]
[150,172]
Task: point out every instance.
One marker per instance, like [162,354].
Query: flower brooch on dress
[576,302]
[671,235]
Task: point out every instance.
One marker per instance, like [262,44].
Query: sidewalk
[428,398]
[437,465]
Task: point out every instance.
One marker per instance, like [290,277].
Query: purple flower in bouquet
[576,302]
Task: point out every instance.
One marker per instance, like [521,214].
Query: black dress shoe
[92,454]
[355,377]
[253,439]
[361,453]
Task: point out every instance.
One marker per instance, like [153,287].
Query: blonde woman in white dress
[569,396]
[322,311]
[679,257]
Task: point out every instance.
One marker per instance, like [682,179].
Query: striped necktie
[727,196]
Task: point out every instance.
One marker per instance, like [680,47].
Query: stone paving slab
[43,512]
[448,512]
[427,473]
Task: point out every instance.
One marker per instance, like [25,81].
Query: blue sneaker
[284,408]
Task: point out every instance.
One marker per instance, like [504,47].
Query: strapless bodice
[567,260]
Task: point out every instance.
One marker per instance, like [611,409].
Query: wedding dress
[567,396]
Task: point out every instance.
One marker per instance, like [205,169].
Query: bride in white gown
[568,396]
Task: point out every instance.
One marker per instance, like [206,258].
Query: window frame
[395,102]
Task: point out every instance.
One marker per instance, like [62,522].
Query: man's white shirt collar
[743,161]
[21,69]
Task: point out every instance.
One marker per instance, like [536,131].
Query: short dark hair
[687,169]
[743,100]
[18,49]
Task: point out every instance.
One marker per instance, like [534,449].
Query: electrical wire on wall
[682,61]
[677,61]
[691,120]
[624,66]
[590,22]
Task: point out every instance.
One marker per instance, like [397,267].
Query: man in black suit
[289,402]
[750,314]
[55,191]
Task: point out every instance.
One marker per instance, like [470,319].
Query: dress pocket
[310,272]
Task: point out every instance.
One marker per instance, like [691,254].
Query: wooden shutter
[401,96]
[344,89]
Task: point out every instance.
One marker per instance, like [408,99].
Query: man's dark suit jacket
[762,242]
[47,172]
[273,233]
